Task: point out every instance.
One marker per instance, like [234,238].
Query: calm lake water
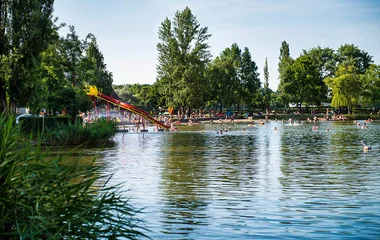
[252,182]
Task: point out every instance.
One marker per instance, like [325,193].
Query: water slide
[93,91]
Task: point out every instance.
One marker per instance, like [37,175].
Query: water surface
[252,182]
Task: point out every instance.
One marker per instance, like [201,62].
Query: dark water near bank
[253,182]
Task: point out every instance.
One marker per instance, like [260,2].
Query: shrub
[45,197]
[74,134]
[34,124]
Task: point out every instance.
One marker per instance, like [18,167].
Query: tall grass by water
[74,134]
[44,196]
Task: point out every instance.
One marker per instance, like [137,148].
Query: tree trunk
[12,106]
[3,93]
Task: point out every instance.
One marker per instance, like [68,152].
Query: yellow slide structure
[93,91]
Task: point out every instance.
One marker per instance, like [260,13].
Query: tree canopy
[183,53]
[42,70]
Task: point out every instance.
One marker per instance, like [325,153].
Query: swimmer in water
[365,146]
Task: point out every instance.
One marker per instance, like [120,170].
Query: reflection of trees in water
[320,163]
[183,185]
[203,168]
[233,165]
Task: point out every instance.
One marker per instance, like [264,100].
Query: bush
[45,197]
[34,124]
[74,134]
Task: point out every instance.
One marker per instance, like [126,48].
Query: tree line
[42,70]
[188,78]
[345,77]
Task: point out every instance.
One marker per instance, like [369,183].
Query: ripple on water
[252,182]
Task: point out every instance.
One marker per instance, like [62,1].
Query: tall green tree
[284,72]
[266,94]
[346,86]
[52,79]
[325,60]
[306,84]
[359,58]
[301,82]
[371,85]
[183,53]
[26,29]
[94,67]
[71,49]
[249,79]
[235,83]
[223,76]
[220,73]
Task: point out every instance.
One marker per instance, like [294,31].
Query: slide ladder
[93,91]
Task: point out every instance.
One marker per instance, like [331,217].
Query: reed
[45,197]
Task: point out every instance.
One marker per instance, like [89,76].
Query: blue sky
[126,30]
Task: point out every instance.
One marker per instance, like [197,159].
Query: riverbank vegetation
[51,76]
[60,131]
[188,78]
[75,134]
[44,196]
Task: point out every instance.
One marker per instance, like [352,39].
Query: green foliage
[26,29]
[74,134]
[284,73]
[47,72]
[233,78]
[222,74]
[371,85]
[139,94]
[360,59]
[45,196]
[266,93]
[307,79]
[324,59]
[249,79]
[346,86]
[94,69]
[182,55]
[34,125]
[302,82]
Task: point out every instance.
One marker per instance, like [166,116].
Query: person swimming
[365,146]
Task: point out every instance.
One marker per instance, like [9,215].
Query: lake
[252,182]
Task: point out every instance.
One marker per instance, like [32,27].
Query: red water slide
[128,107]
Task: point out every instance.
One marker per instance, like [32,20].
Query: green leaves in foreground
[49,197]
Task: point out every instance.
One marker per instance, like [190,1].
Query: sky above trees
[127,30]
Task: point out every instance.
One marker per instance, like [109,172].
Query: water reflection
[253,182]
[325,176]
[184,170]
